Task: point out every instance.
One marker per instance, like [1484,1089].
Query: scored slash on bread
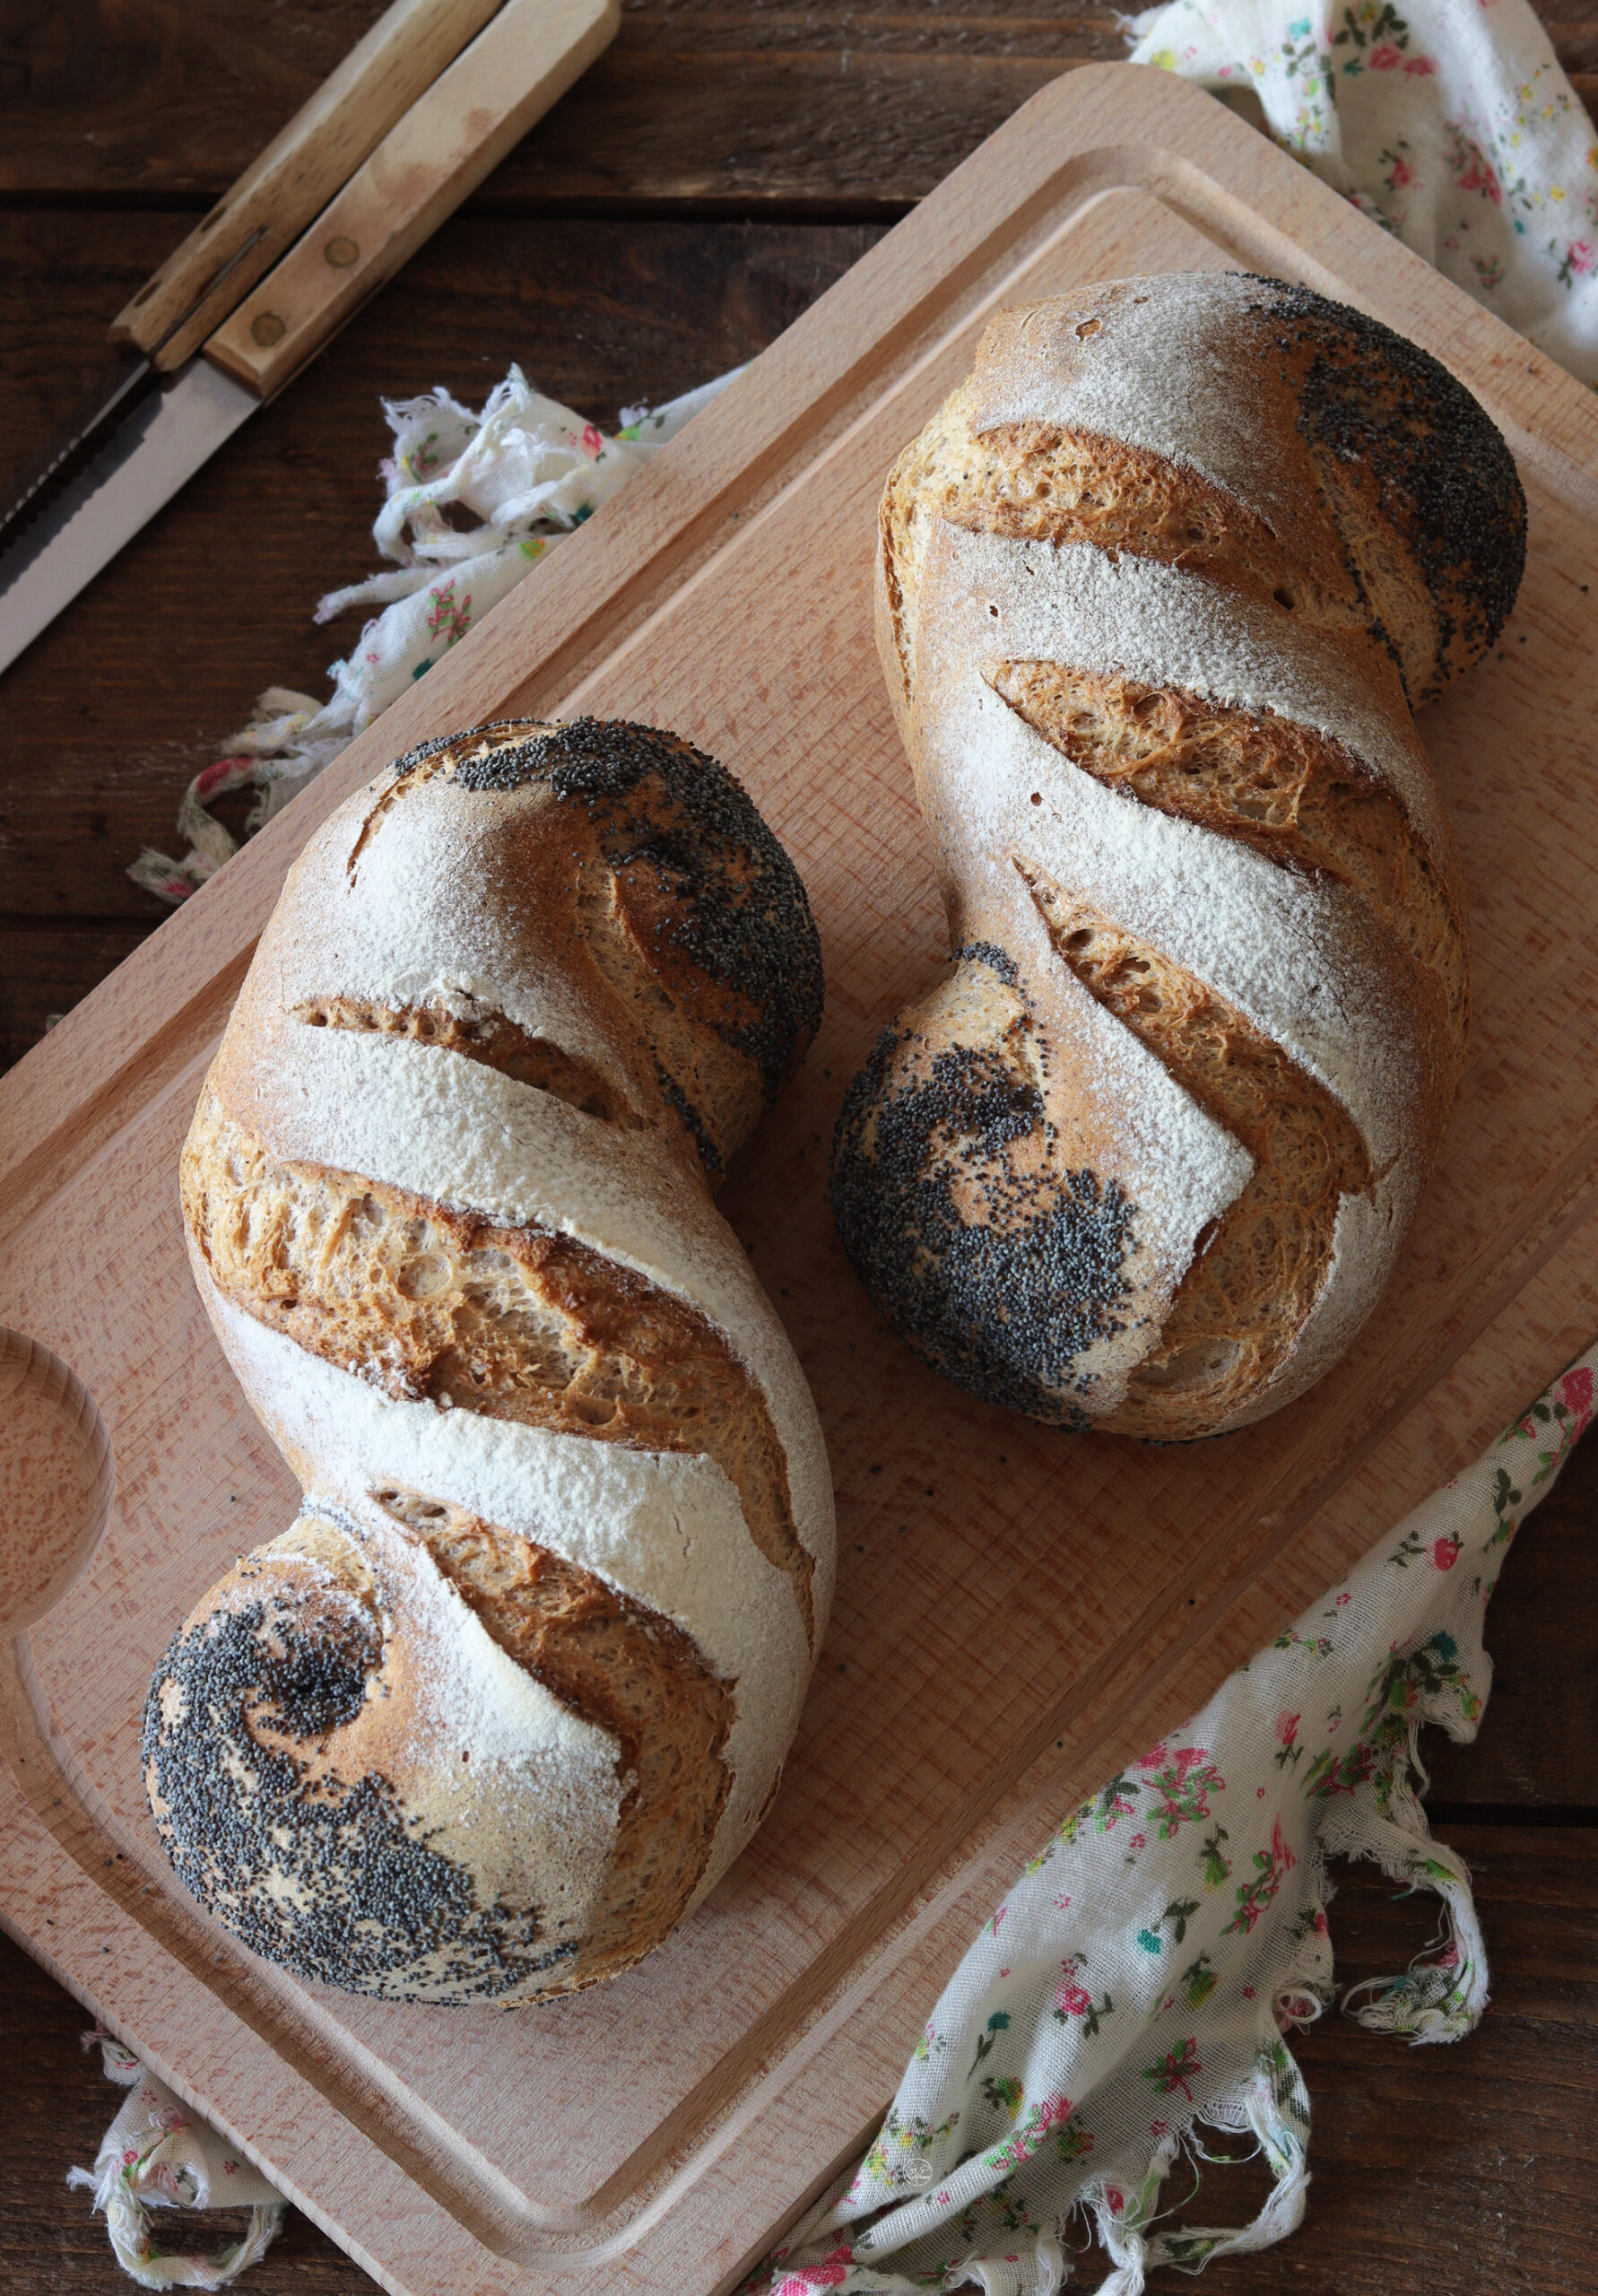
[1158,590]
[512,1692]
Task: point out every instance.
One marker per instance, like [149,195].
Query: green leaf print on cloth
[1138,1980]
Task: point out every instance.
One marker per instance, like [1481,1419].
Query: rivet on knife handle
[441,150]
[296,175]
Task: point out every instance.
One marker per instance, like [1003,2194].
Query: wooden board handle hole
[56,1479]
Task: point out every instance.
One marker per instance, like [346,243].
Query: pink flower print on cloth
[829,2273]
[158,2155]
[1121,1995]
[1182,1779]
[1449,123]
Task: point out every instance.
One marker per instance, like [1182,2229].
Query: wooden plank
[1518,2093]
[803,97]
[875,121]
[719,102]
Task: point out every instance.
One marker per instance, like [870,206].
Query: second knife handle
[439,152]
[277,196]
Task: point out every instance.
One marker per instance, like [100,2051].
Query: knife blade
[111,472]
[165,432]
[204,279]
[85,433]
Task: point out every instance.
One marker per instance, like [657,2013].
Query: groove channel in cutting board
[1003,1587]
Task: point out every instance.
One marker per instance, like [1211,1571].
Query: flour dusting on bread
[1157,589]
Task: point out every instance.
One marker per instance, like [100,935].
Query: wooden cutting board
[1019,1610]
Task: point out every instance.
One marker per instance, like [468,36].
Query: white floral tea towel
[1449,122]
[1138,1980]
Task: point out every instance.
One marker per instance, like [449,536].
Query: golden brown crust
[510,1323]
[1251,1284]
[1289,793]
[1412,532]
[1029,482]
[290,1675]
[626,1669]
[1398,501]
[489,1038]
[713,1090]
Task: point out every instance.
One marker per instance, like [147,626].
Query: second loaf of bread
[1158,590]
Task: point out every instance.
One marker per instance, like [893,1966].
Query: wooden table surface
[719,167]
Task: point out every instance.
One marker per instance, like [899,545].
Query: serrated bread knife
[413,120]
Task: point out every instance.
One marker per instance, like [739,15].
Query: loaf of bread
[516,1687]
[1158,590]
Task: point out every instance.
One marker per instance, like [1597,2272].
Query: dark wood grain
[1466,2168]
[46,964]
[715,102]
[719,167]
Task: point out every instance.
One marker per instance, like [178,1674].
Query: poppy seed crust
[1003,1303]
[325,1875]
[739,910]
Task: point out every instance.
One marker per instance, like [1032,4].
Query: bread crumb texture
[1252,1282]
[633,1673]
[1289,792]
[432,1305]
[489,1038]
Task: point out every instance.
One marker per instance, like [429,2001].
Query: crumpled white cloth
[474,502]
[1137,1980]
[158,2154]
[1449,122]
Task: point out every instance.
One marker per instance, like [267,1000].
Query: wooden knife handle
[442,149]
[296,175]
